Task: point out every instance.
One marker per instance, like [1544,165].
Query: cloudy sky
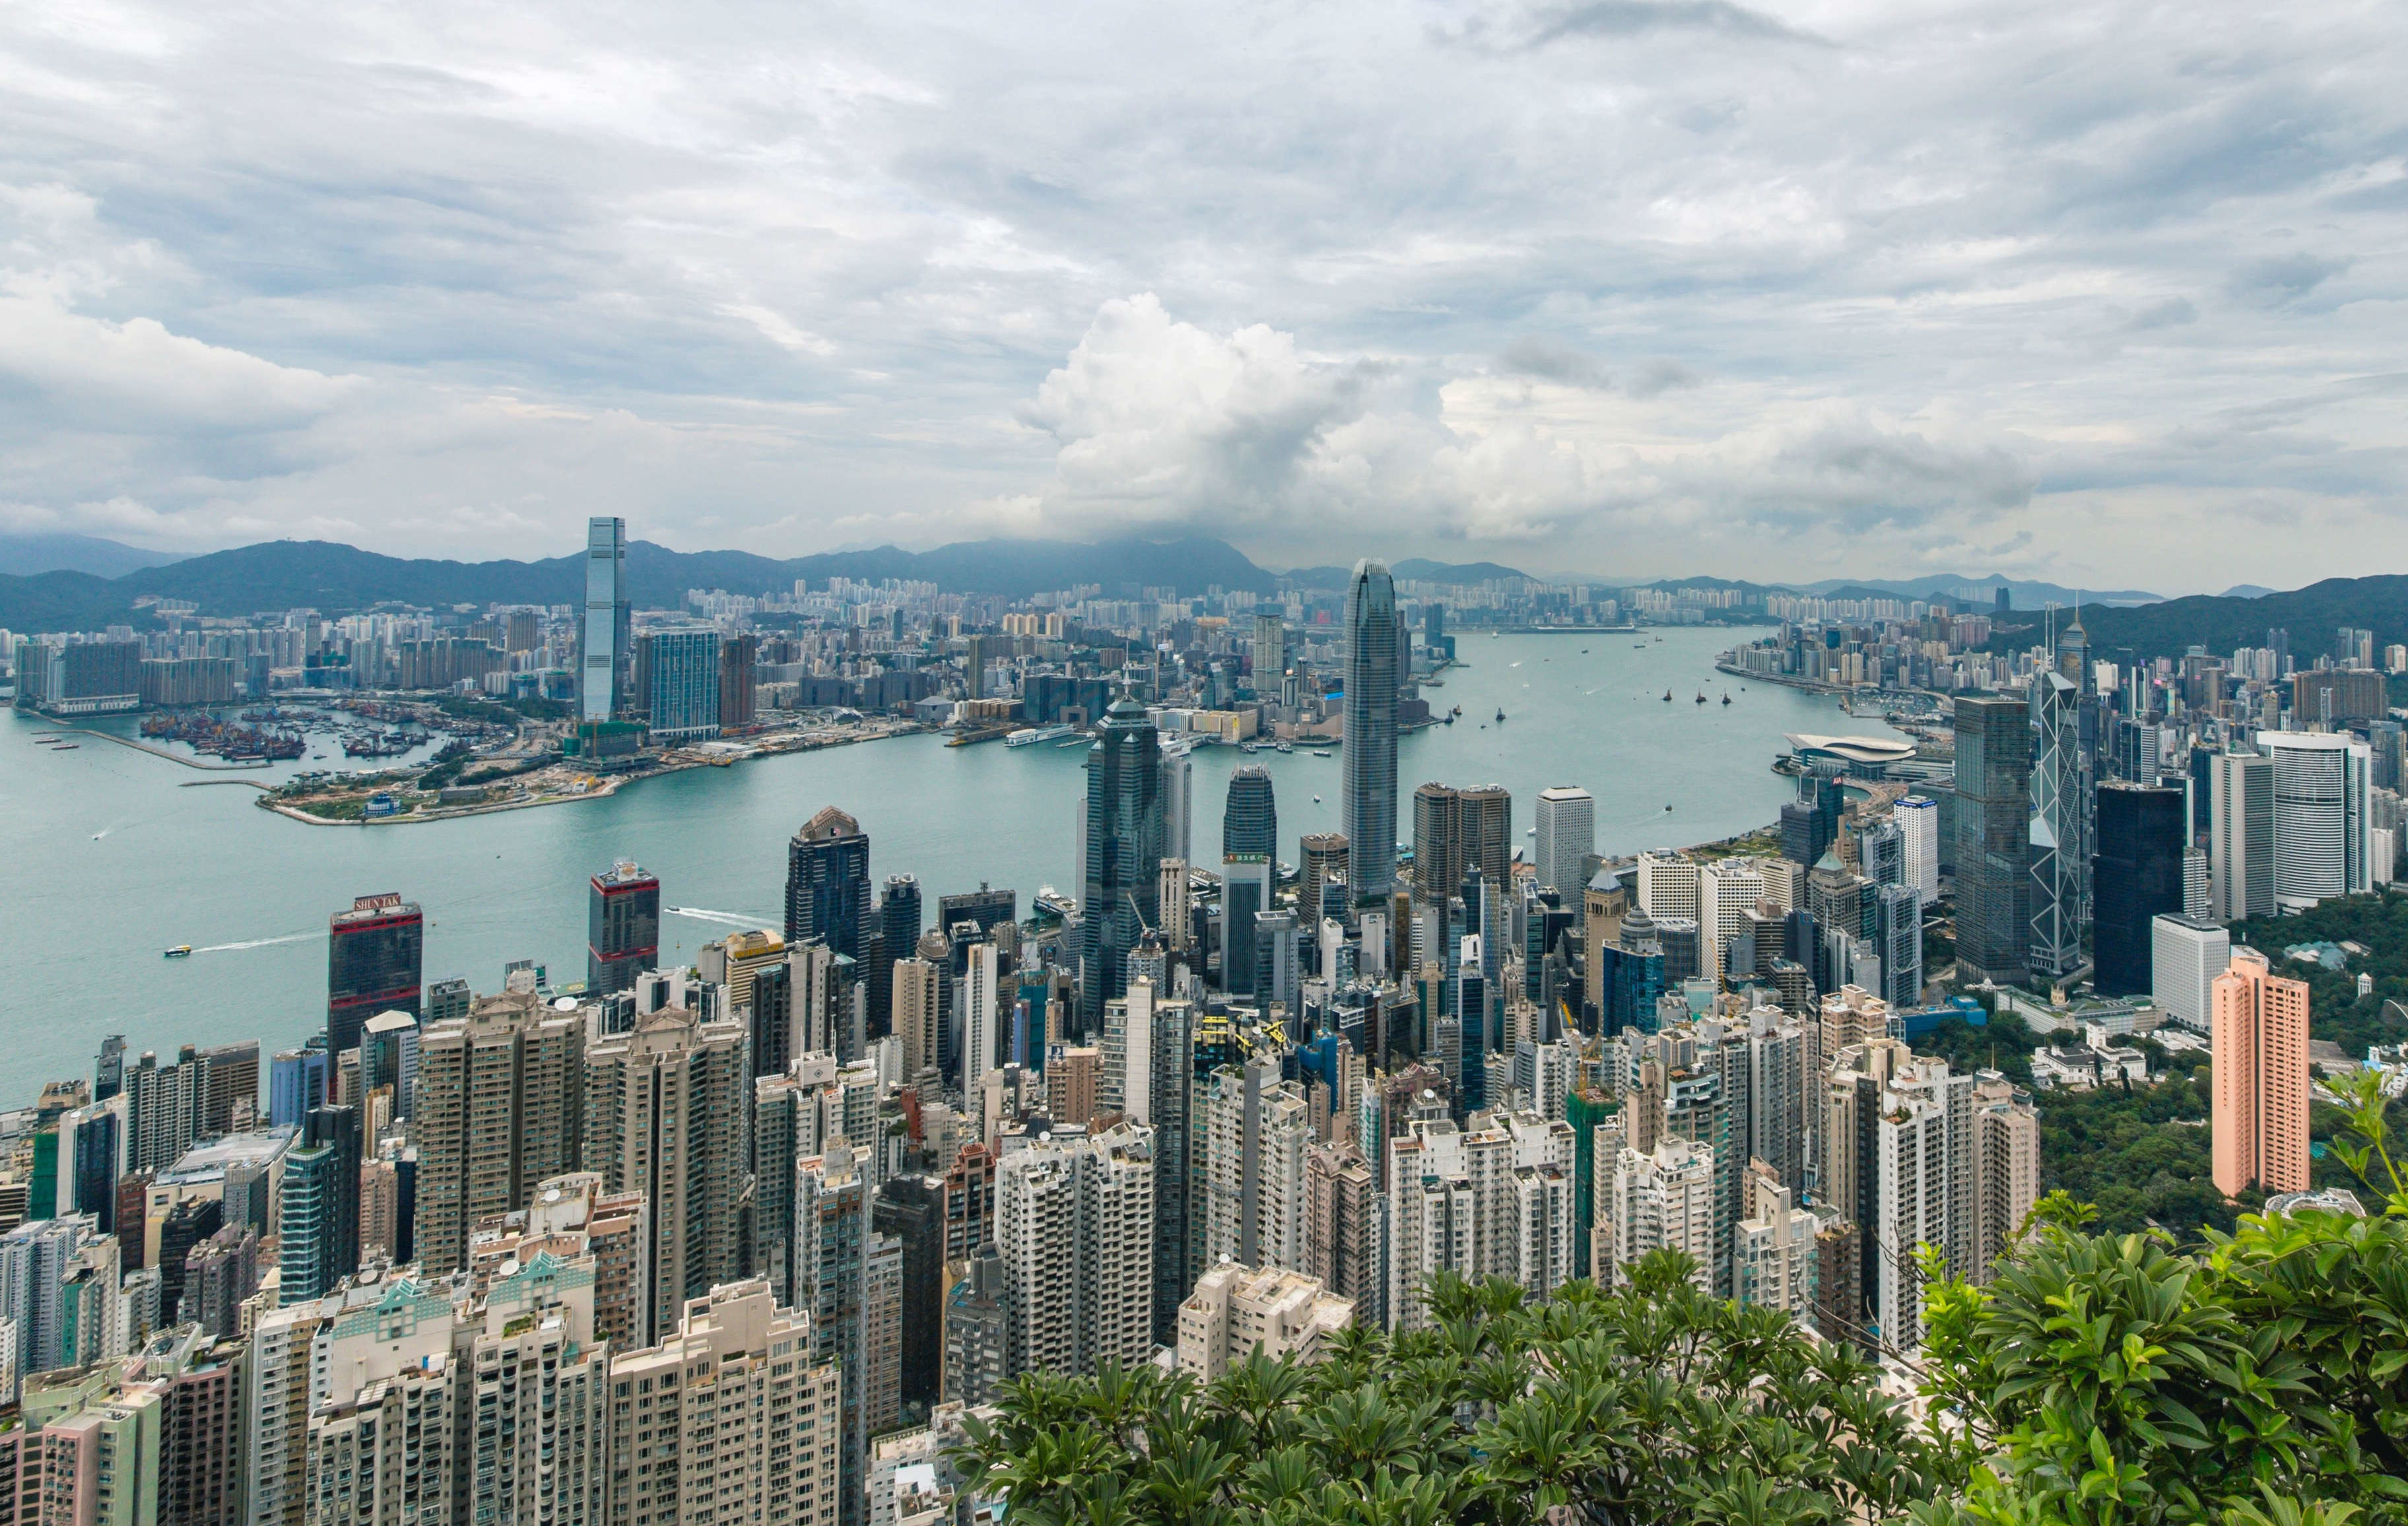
[2109,293]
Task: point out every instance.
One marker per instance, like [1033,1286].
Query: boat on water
[1725,696]
[1667,696]
[182,950]
[1031,735]
[1500,718]
[67,746]
[1702,696]
[1321,752]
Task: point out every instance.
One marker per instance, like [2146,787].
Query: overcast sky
[2109,294]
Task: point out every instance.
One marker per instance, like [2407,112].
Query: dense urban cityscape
[770,1234]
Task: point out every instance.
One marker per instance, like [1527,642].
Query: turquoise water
[112,859]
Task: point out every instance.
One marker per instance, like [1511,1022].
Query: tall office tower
[983,1020]
[738,1407]
[2259,1044]
[901,918]
[1270,657]
[1171,898]
[2186,954]
[831,1261]
[622,928]
[1252,1133]
[605,649]
[1374,668]
[189,1223]
[1342,1226]
[1124,853]
[989,908]
[108,1071]
[737,656]
[909,1211]
[374,957]
[1897,943]
[1668,885]
[1800,832]
[318,1233]
[2137,878]
[92,1149]
[1660,1199]
[1322,860]
[497,1109]
[1727,892]
[1456,832]
[2240,836]
[677,683]
[2061,858]
[917,1011]
[1075,1230]
[827,883]
[664,1113]
[2320,816]
[1249,872]
[1178,804]
[1994,824]
[1918,824]
[2197,883]
[1276,976]
[1567,827]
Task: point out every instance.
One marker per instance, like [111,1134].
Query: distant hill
[2247,591]
[24,556]
[335,578]
[1412,569]
[1983,589]
[2223,622]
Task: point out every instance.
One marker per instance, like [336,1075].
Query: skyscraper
[2240,836]
[827,883]
[1994,754]
[1120,879]
[1249,872]
[1178,803]
[2320,816]
[2259,1041]
[602,634]
[664,1114]
[318,1229]
[2188,953]
[1567,831]
[495,1110]
[1075,1226]
[2138,877]
[897,937]
[1457,833]
[374,952]
[1375,662]
[680,683]
[1918,821]
[2061,855]
[622,928]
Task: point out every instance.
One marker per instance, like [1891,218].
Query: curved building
[2320,814]
[1865,756]
[1375,663]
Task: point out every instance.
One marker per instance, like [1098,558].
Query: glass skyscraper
[827,884]
[1119,890]
[681,684]
[1375,651]
[1994,885]
[1248,859]
[602,672]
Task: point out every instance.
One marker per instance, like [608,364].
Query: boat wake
[256,943]
[703,914]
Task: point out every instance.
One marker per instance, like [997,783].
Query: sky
[2109,294]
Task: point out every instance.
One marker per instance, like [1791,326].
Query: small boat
[1500,718]
[1667,696]
[1702,696]
[1668,807]
[1317,800]
[182,950]
[1726,698]
[1321,752]
[67,746]
[1529,832]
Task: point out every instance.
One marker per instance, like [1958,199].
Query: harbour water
[113,856]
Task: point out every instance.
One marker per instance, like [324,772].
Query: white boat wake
[256,943]
[733,918]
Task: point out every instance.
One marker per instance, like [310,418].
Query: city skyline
[1655,277]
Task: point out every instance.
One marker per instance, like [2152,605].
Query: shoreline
[605,785]
[159,753]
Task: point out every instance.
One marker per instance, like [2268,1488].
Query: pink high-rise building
[2259,1025]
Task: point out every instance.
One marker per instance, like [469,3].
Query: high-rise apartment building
[1122,853]
[318,1233]
[1238,1310]
[1566,834]
[1374,670]
[1494,1202]
[604,644]
[1075,1231]
[498,1108]
[1994,765]
[665,1108]
[1253,1130]
[2258,1042]
[2138,877]
[827,883]
[739,1413]
[918,1007]
[1918,823]
[2321,783]
[374,957]
[622,928]
[2240,836]
[1342,1225]
[1662,1199]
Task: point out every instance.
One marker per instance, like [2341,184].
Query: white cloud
[1646,286]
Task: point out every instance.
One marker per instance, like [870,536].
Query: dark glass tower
[622,928]
[1248,847]
[374,957]
[1994,885]
[827,883]
[899,919]
[2137,875]
[1375,660]
[604,660]
[1122,852]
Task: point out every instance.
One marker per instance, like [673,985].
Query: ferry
[1053,903]
[1031,735]
[182,950]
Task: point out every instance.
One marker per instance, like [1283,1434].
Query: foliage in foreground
[2098,1380]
